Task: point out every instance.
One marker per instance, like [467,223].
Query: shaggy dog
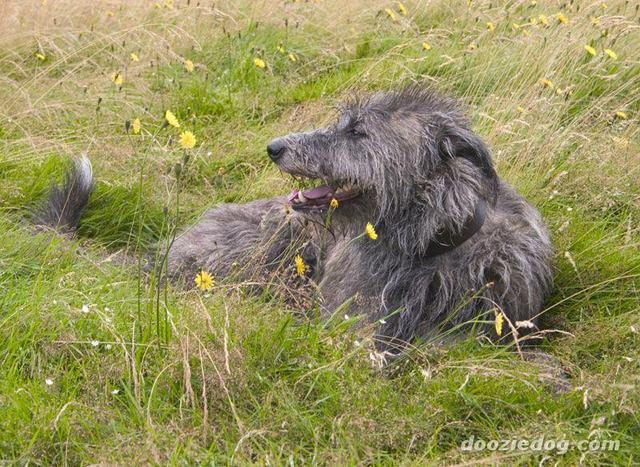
[455,245]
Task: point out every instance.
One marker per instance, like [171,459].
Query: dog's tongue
[317,192]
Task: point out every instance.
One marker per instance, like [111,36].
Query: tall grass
[102,364]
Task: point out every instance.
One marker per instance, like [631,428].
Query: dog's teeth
[301,197]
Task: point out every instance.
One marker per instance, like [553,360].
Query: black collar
[447,241]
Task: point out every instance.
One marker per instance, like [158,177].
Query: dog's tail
[64,206]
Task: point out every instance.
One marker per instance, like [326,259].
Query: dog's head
[411,154]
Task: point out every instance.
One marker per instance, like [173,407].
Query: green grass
[182,377]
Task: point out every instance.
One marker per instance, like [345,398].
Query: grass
[99,368]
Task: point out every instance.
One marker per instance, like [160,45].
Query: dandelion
[40,57]
[300,266]
[48,381]
[490,26]
[117,78]
[110,14]
[371,231]
[390,13]
[188,65]
[499,322]
[137,126]
[402,9]
[590,50]
[520,109]
[134,57]
[621,115]
[334,204]
[293,57]
[612,55]
[204,281]
[546,83]
[543,20]
[426,46]
[259,62]
[187,140]
[171,119]
[562,18]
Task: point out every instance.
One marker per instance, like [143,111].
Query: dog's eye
[355,132]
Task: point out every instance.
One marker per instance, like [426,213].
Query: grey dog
[455,246]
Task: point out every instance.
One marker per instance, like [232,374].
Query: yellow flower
[590,50]
[280,48]
[168,4]
[300,266]
[117,78]
[525,33]
[604,6]
[473,46]
[595,21]
[561,17]
[334,204]
[520,109]
[134,57]
[293,57]
[259,62]
[498,323]
[188,65]
[171,119]
[390,13]
[621,115]
[371,231]
[490,26]
[40,57]
[546,83]
[543,20]
[515,26]
[426,46]
[187,140]
[109,14]
[402,9]
[137,126]
[204,281]
[611,54]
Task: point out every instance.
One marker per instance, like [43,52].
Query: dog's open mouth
[320,197]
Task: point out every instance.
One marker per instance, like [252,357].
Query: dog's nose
[276,148]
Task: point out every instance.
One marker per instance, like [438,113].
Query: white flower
[48,381]
[95,343]
[85,308]
[108,346]
[346,316]
[382,321]
[115,391]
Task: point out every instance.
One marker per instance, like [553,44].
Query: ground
[101,365]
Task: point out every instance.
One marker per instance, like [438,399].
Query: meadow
[102,364]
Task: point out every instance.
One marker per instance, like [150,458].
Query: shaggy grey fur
[64,205]
[420,170]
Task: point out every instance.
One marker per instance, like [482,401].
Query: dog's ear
[456,141]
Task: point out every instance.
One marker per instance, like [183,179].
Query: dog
[409,227]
